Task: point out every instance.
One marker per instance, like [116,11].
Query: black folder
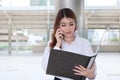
[61,63]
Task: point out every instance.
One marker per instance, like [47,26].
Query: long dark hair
[65,12]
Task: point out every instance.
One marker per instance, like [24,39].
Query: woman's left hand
[80,70]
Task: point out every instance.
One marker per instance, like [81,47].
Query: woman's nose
[67,27]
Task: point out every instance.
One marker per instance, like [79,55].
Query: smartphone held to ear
[61,35]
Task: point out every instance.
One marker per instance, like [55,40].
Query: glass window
[3,41]
[101,2]
[38,2]
[108,37]
[52,2]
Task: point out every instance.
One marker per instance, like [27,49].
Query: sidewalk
[29,68]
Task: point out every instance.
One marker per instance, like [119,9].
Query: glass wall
[110,37]
[32,23]
[3,41]
[41,2]
[29,28]
[99,17]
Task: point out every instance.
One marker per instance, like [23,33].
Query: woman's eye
[71,24]
[63,25]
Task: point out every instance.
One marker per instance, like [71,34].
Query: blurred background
[26,27]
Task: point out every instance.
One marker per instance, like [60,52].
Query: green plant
[115,39]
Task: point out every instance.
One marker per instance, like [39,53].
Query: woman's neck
[69,40]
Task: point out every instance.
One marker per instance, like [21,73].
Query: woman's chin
[68,36]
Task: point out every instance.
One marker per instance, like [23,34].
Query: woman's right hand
[59,37]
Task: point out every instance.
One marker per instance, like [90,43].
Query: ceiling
[40,19]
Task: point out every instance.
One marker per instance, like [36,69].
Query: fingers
[59,33]
[80,70]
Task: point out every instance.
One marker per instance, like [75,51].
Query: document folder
[61,63]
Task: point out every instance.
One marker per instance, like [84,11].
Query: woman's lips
[68,32]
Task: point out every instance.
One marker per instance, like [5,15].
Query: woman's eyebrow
[62,23]
[71,22]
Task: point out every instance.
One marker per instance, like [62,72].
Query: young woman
[64,38]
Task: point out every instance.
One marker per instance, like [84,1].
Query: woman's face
[67,25]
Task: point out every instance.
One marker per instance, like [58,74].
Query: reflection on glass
[24,3]
[24,39]
[111,37]
[101,2]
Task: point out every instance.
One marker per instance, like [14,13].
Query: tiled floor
[29,67]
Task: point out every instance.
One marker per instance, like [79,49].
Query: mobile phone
[61,35]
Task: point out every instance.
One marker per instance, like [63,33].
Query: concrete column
[78,7]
